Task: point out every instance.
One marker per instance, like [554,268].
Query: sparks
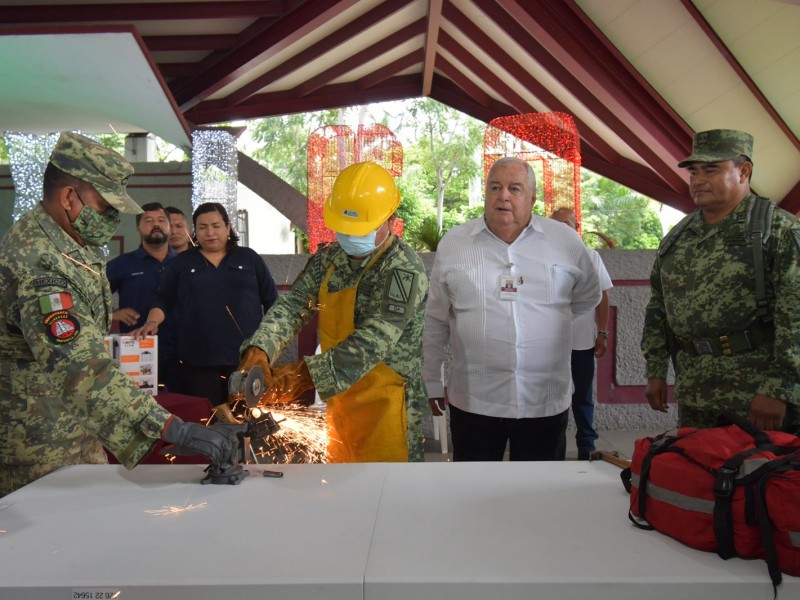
[167,511]
[234,321]
[302,437]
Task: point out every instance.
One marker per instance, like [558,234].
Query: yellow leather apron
[366,423]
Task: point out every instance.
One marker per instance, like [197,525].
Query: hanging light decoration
[333,148]
[28,154]
[549,141]
[215,166]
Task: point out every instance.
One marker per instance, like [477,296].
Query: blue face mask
[357,245]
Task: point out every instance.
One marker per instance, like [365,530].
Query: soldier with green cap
[725,292]
[62,397]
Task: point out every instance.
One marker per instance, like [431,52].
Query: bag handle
[728,417]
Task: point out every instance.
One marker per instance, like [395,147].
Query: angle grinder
[247,385]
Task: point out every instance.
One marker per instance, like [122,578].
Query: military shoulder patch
[55,302]
[49,281]
[402,286]
[62,327]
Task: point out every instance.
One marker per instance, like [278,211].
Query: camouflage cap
[94,163]
[719,144]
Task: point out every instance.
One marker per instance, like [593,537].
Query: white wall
[270,231]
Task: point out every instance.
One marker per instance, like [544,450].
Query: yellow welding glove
[288,383]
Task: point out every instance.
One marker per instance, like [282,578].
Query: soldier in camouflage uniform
[731,349]
[61,395]
[369,369]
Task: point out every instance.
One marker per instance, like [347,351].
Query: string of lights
[28,154]
[215,166]
[548,140]
[333,148]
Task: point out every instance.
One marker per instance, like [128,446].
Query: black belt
[729,344]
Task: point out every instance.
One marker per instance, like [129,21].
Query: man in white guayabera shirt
[504,291]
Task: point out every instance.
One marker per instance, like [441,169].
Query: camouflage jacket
[703,286]
[60,391]
[388,325]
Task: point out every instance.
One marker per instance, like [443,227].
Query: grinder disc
[253,386]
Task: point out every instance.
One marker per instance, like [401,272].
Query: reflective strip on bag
[794,538]
[674,498]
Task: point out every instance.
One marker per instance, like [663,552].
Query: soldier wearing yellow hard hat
[369,289]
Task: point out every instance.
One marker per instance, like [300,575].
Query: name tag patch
[49,281]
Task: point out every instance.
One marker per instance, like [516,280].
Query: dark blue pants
[582,401]
[482,438]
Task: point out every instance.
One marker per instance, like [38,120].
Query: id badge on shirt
[509,284]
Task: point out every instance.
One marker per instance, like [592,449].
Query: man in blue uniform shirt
[136,277]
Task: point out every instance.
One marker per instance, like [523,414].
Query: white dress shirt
[584,329]
[510,358]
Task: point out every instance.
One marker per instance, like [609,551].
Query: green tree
[414,207]
[282,143]
[114,141]
[447,145]
[625,216]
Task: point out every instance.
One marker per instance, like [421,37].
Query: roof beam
[173,70]
[135,11]
[309,55]
[390,70]
[565,30]
[791,201]
[468,87]
[739,70]
[528,81]
[285,103]
[446,91]
[280,34]
[272,189]
[431,40]
[360,58]
[173,43]
[553,44]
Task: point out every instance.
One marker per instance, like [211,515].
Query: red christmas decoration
[333,148]
[549,141]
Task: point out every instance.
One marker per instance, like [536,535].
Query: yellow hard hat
[364,195]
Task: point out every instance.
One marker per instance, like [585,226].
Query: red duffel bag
[732,489]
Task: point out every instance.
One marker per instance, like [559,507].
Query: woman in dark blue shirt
[220,291]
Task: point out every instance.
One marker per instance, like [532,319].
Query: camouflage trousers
[706,386]
[416,449]
[13,477]
[704,414]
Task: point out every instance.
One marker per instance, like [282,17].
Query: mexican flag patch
[54,302]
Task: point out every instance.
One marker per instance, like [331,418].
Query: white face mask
[357,245]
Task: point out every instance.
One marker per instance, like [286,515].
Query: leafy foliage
[283,143]
[447,145]
[625,216]
[428,235]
